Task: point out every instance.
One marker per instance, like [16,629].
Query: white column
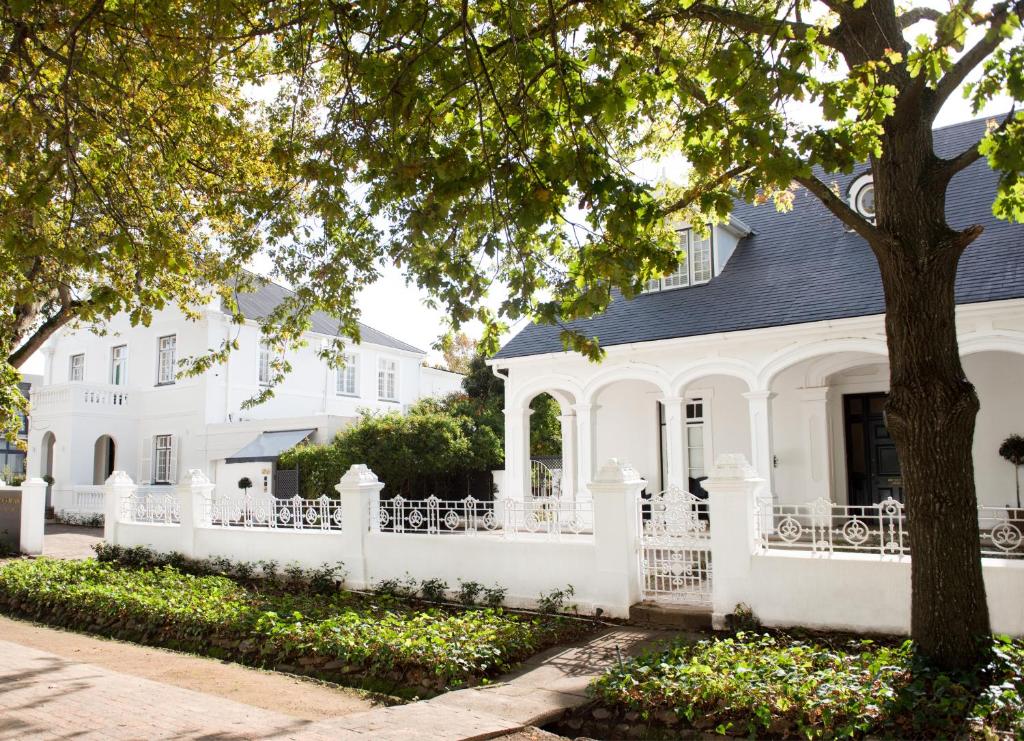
[675,443]
[616,492]
[586,441]
[732,489]
[570,455]
[118,487]
[816,441]
[517,453]
[33,516]
[761,449]
[194,494]
[359,490]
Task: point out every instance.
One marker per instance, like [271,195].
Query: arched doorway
[546,454]
[103,458]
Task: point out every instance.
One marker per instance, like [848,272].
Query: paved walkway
[70,541]
[45,695]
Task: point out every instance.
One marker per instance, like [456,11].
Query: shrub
[468,592]
[428,451]
[81,519]
[434,590]
[783,686]
[357,639]
[556,600]
[245,483]
[493,597]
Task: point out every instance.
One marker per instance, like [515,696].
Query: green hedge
[372,641]
[780,686]
[427,451]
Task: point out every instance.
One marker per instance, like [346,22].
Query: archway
[104,451]
[626,426]
[547,460]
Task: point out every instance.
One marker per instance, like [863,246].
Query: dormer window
[697,267]
[862,197]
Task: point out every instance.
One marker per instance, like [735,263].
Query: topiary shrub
[1012,449]
[245,483]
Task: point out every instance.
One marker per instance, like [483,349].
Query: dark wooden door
[872,465]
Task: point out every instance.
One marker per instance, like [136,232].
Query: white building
[114,401]
[770,342]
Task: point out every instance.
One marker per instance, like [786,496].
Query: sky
[398,309]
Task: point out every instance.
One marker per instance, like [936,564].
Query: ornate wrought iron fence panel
[151,508]
[675,548]
[264,510]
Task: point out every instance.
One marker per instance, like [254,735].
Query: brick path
[70,541]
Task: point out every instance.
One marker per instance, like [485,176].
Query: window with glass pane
[118,364]
[387,377]
[76,372]
[167,358]
[162,459]
[347,377]
[699,257]
[695,438]
[264,363]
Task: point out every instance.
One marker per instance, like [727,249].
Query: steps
[675,617]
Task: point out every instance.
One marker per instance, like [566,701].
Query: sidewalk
[75,689]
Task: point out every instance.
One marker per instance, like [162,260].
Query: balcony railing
[80,397]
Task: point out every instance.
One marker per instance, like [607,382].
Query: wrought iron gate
[675,548]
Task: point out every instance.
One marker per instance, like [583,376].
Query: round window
[865,204]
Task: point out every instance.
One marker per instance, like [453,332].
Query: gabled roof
[260,303]
[804,266]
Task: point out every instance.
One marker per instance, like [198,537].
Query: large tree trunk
[931,413]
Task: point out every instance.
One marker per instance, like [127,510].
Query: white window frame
[263,363]
[74,377]
[163,456]
[686,274]
[702,397]
[119,362]
[386,366]
[346,380]
[163,379]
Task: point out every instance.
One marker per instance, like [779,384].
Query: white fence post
[359,490]
[194,494]
[732,488]
[615,492]
[116,488]
[33,516]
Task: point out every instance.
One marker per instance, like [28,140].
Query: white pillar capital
[814,393]
[759,395]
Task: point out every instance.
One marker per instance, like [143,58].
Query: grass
[376,641]
[780,685]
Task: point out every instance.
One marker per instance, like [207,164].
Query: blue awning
[269,445]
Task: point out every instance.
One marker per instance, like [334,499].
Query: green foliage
[468,592]
[374,637]
[557,600]
[434,590]
[429,450]
[245,483]
[781,686]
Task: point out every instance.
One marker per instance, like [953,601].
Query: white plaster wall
[999,380]
[440,383]
[261,473]
[863,593]
[727,415]
[627,428]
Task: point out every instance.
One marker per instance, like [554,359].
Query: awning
[269,445]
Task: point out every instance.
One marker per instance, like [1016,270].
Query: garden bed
[377,642]
[783,686]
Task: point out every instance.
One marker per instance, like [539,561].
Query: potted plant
[245,483]
[1012,450]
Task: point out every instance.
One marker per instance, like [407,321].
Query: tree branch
[974,56]
[744,21]
[914,15]
[67,312]
[843,212]
[948,167]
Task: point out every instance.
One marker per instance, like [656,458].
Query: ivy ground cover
[783,686]
[372,641]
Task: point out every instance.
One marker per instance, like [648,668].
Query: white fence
[817,565]
[550,517]
[822,526]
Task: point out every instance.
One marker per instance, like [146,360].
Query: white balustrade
[549,517]
[87,499]
[267,511]
[82,397]
[824,527]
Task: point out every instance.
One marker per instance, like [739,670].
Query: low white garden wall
[813,585]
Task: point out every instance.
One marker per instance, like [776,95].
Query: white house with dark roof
[114,401]
[770,342]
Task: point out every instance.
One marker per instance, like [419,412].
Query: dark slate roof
[803,266]
[258,305]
